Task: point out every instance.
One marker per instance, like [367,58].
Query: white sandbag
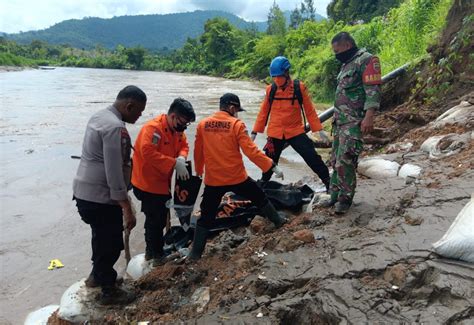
[399,146]
[78,303]
[41,316]
[138,266]
[378,168]
[462,114]
[458,241]
[440,146]
[409,170]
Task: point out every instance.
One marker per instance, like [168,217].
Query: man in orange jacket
[161,147]
[219,139]
[281,109]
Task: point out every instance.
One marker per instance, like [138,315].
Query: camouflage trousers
[346,148]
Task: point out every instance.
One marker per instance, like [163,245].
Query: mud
[371,265]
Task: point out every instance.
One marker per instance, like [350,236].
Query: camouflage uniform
[358,89]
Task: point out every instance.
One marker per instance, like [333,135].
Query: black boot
[326,183]
[199,243]
[342,207]
[269,211]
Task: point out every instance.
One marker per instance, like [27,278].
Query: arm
[310,110]
[198,152]
[162,164]
[371,80]
[113,164]
[250,149]
[184,149]
[259,126]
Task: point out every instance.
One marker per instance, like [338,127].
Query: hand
[129,219]
[323,135]
[181,170]
[253,135]
[367,124]
[278,172]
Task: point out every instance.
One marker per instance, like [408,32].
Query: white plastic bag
[76,303]
[409,170]
[41,316]
[138,266]
[458,241]
[378,168]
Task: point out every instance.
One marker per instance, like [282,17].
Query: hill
[150,31]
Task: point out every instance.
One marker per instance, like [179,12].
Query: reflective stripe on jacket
[154,156]
[285,114]
[219,139]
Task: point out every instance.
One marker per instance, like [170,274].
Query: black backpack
[296,95]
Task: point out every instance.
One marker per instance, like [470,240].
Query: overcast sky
[24,15]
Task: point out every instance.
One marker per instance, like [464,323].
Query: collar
[223,114]
[356,55]
[163,121]
[115,111]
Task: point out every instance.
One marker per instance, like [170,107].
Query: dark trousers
[304,147]
[106,223]
[156,212]
[212,197]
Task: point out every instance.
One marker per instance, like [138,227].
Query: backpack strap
[299,96]
[270,100]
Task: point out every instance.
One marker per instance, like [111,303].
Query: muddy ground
[372,265]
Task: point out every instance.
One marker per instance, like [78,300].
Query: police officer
[219,139]
[357,98]
[160,149]
[281,109]
[101,185]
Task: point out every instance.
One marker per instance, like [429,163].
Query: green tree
[276,21]
[350,11]
[220,41]
[135,56]
[295,18]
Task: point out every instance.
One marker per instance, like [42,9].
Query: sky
[25,15]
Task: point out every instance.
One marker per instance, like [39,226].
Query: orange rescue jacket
[219,139]
[285,118]
[154,156]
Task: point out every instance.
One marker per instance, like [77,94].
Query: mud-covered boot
[341,207]
[112,295]
[199,243]
[269,211]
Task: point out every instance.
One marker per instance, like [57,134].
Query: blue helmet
[279,66]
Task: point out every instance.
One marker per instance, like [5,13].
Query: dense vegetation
[401,36]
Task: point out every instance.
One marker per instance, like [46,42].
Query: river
[42,122]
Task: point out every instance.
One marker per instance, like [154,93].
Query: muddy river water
[42,121]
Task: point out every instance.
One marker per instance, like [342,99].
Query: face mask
[180,128]
[280,81]
[347,55]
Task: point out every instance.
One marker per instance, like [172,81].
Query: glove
[181,170]
[324,136]
[253,135]
[278,172]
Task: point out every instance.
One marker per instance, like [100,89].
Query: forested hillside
[153,32]
[402,35]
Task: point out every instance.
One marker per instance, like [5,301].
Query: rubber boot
[326,183]
[199,243]
[342,207]
[269,211]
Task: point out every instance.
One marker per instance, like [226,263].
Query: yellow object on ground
[55,264]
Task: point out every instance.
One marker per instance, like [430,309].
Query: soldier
[357,97]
